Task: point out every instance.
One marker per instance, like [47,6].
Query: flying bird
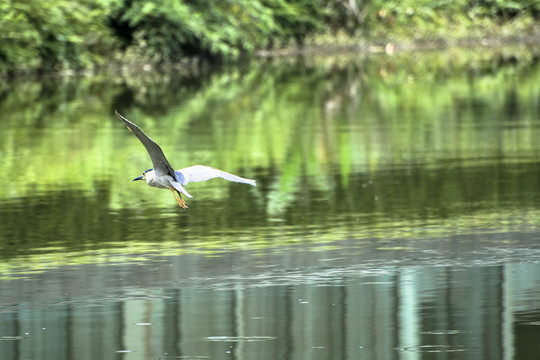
[162,174]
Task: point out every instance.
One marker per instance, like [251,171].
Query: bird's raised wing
[159,161]
[202,173]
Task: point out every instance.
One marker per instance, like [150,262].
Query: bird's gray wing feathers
[159,161]
[202,173]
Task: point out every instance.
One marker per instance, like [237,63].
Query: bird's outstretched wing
[159,161]
[202,173]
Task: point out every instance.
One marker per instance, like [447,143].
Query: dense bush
[52,34]
[217,29]
[61,34]
[365,16]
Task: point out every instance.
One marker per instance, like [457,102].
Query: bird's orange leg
[178,198]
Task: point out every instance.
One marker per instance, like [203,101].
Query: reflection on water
[244,306]
[396,214]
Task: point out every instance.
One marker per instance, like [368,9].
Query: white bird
[162,174]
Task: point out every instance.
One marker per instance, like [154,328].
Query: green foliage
[507,9]
[50,34]
[167,30]
[409,16]
[79,34]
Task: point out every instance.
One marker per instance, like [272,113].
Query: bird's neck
[150,178]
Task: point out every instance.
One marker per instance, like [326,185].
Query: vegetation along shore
[59,35]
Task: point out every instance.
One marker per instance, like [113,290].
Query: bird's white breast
[162,182]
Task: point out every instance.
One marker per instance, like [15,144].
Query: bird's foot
[178,198]
[182,203]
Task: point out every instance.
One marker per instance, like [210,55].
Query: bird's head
[144,174]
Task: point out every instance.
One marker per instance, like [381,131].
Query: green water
[395,214]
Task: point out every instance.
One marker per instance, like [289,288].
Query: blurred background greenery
[358,143]
[84,34]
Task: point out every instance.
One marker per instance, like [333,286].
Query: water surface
[395,214]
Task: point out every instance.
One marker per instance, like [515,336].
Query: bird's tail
[180,188]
